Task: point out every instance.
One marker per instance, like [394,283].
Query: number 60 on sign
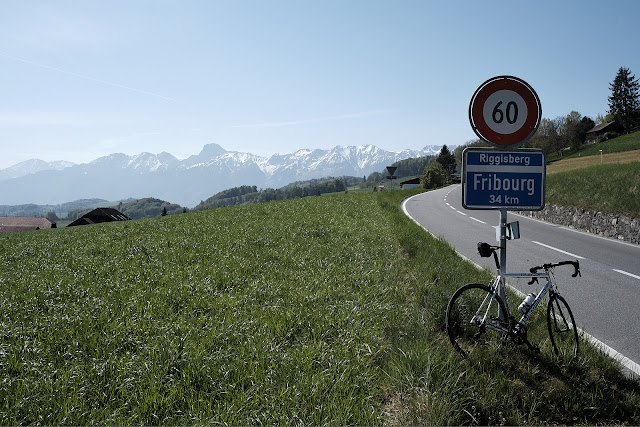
[505,111]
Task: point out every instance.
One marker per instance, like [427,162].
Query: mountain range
[187,182]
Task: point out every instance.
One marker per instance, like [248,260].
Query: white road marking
[476,219]
[559,250]
[462,213]
[628,274]
[452,207]
[609,239]
[624,360]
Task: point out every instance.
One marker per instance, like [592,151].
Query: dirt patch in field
[584,162]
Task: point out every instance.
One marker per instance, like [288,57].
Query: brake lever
[533,279]
[576,265]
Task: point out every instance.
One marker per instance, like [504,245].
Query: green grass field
[610,188]
[629,142]
[213,317]
[323,310]
[622,143]
[581,180]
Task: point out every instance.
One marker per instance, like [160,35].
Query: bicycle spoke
[473,318]
[562,329]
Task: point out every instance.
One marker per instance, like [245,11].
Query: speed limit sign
[505,111]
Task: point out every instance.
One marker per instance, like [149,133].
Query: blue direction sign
[501,179]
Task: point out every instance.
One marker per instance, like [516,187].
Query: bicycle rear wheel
[472,318]
[562,327]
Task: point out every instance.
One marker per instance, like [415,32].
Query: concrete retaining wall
[608,225]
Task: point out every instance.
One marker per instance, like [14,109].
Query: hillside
[623,149]
[580,162]
[608,188]
[61,209]
[322,310]
[606,183]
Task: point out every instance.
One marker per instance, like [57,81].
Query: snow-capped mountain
[33,166]
[140,163]
[191,180]
[353,161]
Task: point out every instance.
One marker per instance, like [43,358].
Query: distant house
[604,131]
[15,224]
[100,215]
[410,183]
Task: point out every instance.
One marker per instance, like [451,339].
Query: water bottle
[524,307]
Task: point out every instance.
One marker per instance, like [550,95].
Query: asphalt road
[605,301]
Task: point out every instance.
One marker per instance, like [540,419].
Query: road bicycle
[477,315]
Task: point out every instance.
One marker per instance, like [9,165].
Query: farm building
[100,215]
[604,131]
[15,224]
[410,183]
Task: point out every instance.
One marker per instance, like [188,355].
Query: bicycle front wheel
[562,327]
[473,318]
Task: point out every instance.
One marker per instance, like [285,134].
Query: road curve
[604,300]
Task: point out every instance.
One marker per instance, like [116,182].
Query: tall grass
[509,386]
[265,314]
[324,310]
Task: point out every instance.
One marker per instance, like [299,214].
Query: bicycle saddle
[484,249]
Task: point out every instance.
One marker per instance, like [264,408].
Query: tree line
[250,194]
[349,180]
[48,211]
[569,132]
[441,171]
[406,168]
[137,209]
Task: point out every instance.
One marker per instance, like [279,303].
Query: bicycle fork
[560,321]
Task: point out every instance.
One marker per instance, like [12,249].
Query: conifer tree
[624,102]
[447,160]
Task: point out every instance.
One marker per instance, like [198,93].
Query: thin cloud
[93,79]
[315,120]
[44,118]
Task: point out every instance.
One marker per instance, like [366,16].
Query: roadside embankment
[615,226]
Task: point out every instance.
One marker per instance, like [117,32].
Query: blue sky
[82,79]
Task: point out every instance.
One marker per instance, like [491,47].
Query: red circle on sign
[491,86]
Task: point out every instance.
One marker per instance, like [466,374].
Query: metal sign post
[505,112]
[391,170]
[503,253]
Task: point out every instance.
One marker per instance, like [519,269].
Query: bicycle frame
[487,317]
[499,282]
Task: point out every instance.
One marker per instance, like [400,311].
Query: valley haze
[189,181]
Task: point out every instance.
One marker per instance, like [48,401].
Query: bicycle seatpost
[495,258]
